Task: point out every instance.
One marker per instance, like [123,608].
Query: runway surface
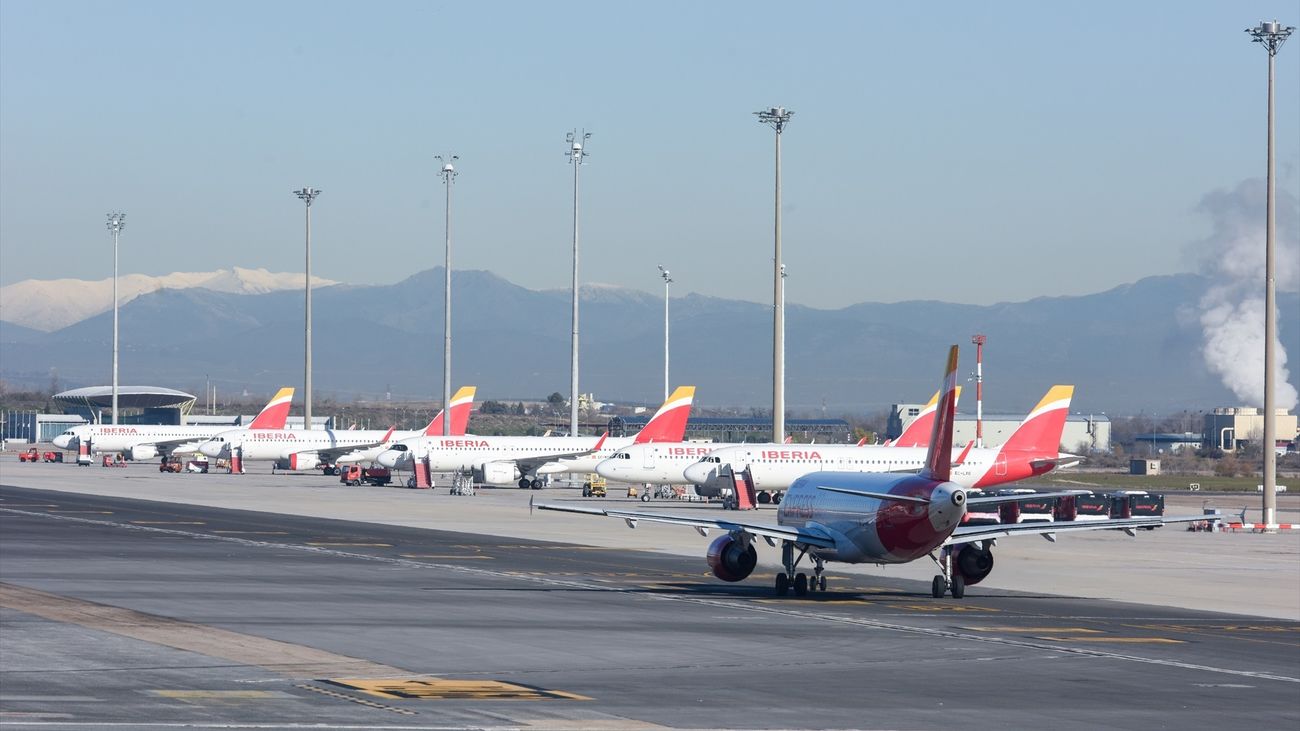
[146,614]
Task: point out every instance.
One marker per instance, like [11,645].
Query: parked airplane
[146,441]
[306,450]
[503,460]
[875,518]
[1031,450]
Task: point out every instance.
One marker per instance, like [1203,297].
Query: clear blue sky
[972,152]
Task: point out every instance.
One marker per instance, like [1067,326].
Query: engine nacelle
[143,452]
[499,473]
[729,561]
[973,562]
[304,461]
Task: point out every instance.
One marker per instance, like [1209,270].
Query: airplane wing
[774,532]
[1049,529]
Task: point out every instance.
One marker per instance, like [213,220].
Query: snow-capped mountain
[51,304]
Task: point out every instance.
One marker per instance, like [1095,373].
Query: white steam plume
[1232,309]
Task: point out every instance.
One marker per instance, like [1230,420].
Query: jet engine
[304,461]
[974,562]
[143,452]
[729,561]
[499,473]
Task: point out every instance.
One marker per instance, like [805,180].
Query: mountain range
[1130,349]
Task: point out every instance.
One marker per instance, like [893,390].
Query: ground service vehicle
[1083,506]
[1031,507]
[594,486]
[171,464]
[30,455]
[355,474]
[1136,504]
[52,456]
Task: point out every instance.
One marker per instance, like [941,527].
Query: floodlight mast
[448,174]
[116,222]
[577,157]
[307,195]
[1270,35]
[667,281]
[777,118]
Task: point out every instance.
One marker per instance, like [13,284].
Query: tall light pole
[1271,36]
[667,281]
[448,174]
[777,118]
[307,195]
[116,222]
[576,156]
[979,341]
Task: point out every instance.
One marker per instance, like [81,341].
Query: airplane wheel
[958,587]
[800,584]
[937,587]
[536,484]
[782,584]
[524,483]
[645,497]
[776,498]
[821,583]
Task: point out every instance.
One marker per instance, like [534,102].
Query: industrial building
[1236,427]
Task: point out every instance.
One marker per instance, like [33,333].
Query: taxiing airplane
[1031,450]
[878,518]
[503,460]
[309,449]
[146,441]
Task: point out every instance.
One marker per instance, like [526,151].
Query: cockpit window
[399,447]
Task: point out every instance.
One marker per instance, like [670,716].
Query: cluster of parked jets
[882,504]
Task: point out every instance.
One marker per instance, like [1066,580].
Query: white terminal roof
[128,397]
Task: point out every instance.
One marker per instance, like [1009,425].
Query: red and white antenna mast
[979,341]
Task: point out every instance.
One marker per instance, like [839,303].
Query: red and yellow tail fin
[917,434]
[938,456]
[461,404]
[276,411]
[669,422]
[1041,430]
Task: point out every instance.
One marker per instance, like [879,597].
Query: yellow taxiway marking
[222,695]
[1070,630]
[252,532]
[452,689]
[443,555]
[1122,640]
[168,522]
[331,543]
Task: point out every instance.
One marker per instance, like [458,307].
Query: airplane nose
[698,473]
[388,458]
[63,441]
[606,470]
[211,449]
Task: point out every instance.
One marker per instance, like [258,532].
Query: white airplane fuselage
[124,438]
[274,444]
[446,454]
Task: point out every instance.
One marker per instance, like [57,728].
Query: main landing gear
[525,483]
[948,580]
[787,579]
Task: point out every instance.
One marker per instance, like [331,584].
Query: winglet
[961,458]
[600,443]
[862,441]
[669,422]
[938,457]
[388,435]
[276,411]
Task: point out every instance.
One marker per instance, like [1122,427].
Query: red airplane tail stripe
[938,457]
[275,413]
[1041,430]
[669,423]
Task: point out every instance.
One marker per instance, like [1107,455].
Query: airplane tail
[938,456]
[1041,430]
[276,411]
[461,404]
[669,422]
[917,434]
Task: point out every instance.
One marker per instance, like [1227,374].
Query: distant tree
[493,407]
[556,399]
[518,409]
